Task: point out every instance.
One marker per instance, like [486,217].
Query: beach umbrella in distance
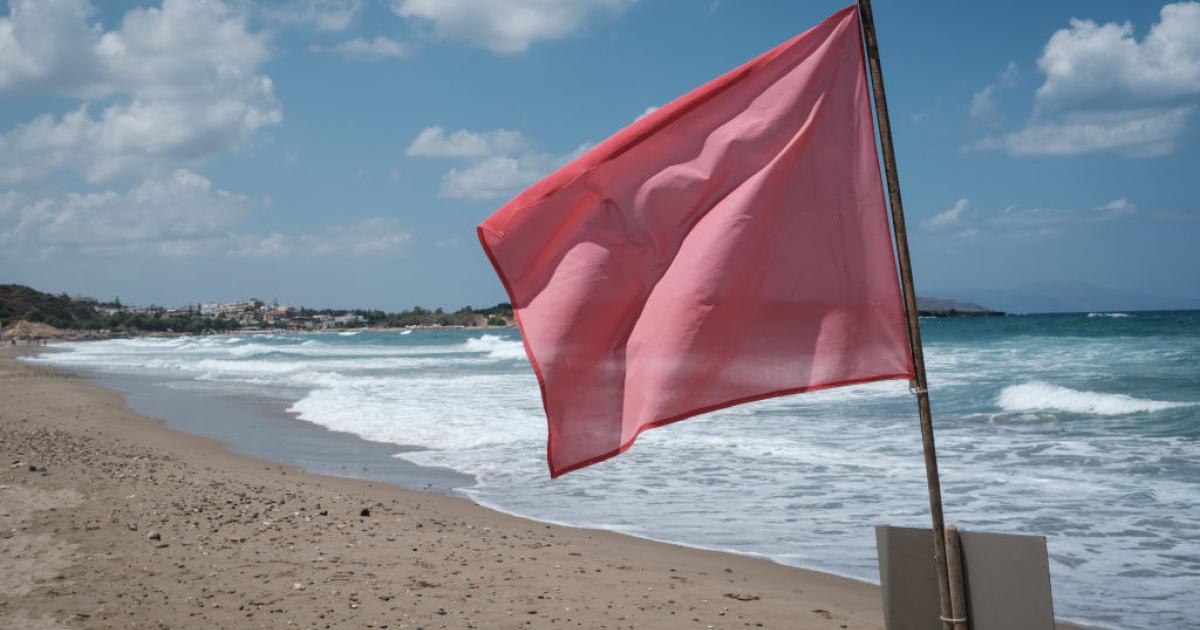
[731,246]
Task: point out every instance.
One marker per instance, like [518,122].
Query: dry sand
[111,519]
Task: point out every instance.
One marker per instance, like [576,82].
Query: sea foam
[779,476]
[1039,396]
[495,347]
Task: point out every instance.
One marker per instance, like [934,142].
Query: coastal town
[26,313]
[29,314]
[251,313]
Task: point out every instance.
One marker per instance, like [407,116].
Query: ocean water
[1084,428]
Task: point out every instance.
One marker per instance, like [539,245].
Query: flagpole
[910,311]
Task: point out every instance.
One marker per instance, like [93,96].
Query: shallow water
[1082,427]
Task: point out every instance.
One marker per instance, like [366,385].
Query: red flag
[729,247]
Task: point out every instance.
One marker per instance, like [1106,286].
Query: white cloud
[499,163]
[1089,62]
[1026,218]
[509,26]
[187,70]
[372,237]
[951,225]
[435,142]
[646,112]
[1140,133]
[1106,91]
[182,206]
[322,15]
[490,179]
[377,49]
[1118,205]
[949,218]
[962,224]
[47,43]
[181,215]
[984,108]
[501,176]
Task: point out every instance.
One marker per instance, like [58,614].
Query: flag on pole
[731,246]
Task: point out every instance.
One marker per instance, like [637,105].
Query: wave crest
[1039,396]
[496,347]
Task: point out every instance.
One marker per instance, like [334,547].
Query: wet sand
[112,519]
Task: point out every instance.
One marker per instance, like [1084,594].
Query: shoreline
[774,594]
[443,561]
[120,385]
[72,334]
[265,428]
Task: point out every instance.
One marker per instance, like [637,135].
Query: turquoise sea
[1083,427]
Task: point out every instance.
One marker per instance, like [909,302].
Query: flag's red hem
[684,416]
[512,300]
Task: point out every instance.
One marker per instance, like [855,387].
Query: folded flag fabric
[731,246]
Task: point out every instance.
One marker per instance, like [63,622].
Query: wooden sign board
[1006,578]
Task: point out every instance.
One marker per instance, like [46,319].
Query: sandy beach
[112,519]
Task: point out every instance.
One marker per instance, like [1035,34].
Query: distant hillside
[19,302]
[941,307]
[1073,297]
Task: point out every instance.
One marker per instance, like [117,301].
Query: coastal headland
[114,519]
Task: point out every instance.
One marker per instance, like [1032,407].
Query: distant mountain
[941,306]
[1071,297]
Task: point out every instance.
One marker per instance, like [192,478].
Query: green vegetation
[19,302]
[498,315]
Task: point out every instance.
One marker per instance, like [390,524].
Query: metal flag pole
[910,311]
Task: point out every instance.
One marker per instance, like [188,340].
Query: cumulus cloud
[510,26]
[984,108]
[321,15]
[494,177]
[359,49]
[499,163]
[435,142]
[182,215]
[183,206]
[1106,91]
[181,80]
[1091,62]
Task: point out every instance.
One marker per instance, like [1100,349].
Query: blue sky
[340,152]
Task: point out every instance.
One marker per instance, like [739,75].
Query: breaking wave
[1039,396]
[496,347]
